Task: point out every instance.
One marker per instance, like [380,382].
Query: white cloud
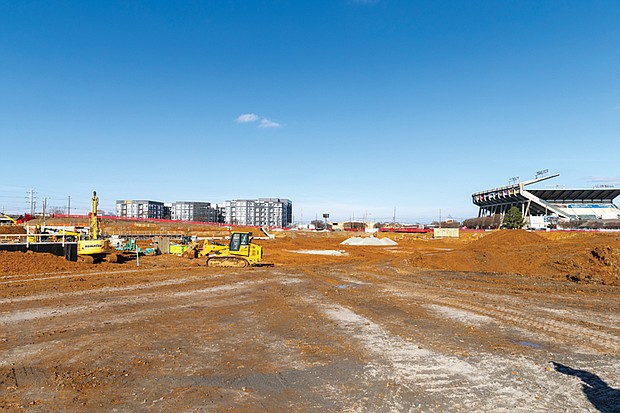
[247,118]
[266,123]
[609,180]
[252,117]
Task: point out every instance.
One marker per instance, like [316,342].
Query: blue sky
[343,106]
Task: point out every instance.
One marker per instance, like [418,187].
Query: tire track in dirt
[95,291]
[513,311]
[412,373]
[584,336]
[8,279]
[588,336]
[609,321]
[394,357]
[370,368]
[9,317]
[70,318]
[588,319]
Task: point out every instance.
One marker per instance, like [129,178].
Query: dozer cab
[240,252]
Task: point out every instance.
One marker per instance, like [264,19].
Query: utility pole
[44,206]
[31,192]
[394,218]
[69,205]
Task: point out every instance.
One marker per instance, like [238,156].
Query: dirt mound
[369,241]
[578,257]
[9,229]
[507,239]
[600,264]
[33,263]
[582,258]
[506,251]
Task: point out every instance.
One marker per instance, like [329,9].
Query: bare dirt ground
[501,322]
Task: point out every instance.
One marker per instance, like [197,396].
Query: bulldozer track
[583,335]
[321,338]
[506,309]
[579,332]
[65,274]
[230,262]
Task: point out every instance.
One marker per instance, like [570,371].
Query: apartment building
[140,209]
[194,211]
[268,212]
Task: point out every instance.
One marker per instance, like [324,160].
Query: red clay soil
[507,240]
[367,330]
[34,263]
[31,263]
[11,229]
[592,258]
[589,258]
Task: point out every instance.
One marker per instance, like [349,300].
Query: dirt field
[501,322]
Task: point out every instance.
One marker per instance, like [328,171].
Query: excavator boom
[95,248]
[94,221]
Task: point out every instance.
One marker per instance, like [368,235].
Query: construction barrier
[67,250]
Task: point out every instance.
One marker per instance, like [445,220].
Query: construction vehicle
[130,245]
[185,247]
[10,218]
[18,221]
[95,248]
[212,248]
[49,234]
[240,252]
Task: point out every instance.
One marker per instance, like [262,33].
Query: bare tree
[318,224]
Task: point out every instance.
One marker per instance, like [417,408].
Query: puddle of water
[528,344]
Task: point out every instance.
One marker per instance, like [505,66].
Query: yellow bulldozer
[240,252]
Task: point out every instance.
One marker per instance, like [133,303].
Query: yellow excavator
[94,248]
[240,252]
[13,220]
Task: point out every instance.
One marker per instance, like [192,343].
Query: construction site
[219,319]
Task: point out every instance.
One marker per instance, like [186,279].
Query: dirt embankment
[34,263]
[12,229]
[591,258]
[575,257]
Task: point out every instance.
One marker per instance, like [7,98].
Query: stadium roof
[544,201]
[577,196]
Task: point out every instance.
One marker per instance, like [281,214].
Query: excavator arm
[14,221]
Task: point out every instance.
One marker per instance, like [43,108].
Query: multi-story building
[221,213]
[167,210]
[269,212]
[194,211]
[140,209]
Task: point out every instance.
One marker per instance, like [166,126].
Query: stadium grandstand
[541,206]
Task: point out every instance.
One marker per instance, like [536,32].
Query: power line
[32,201]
